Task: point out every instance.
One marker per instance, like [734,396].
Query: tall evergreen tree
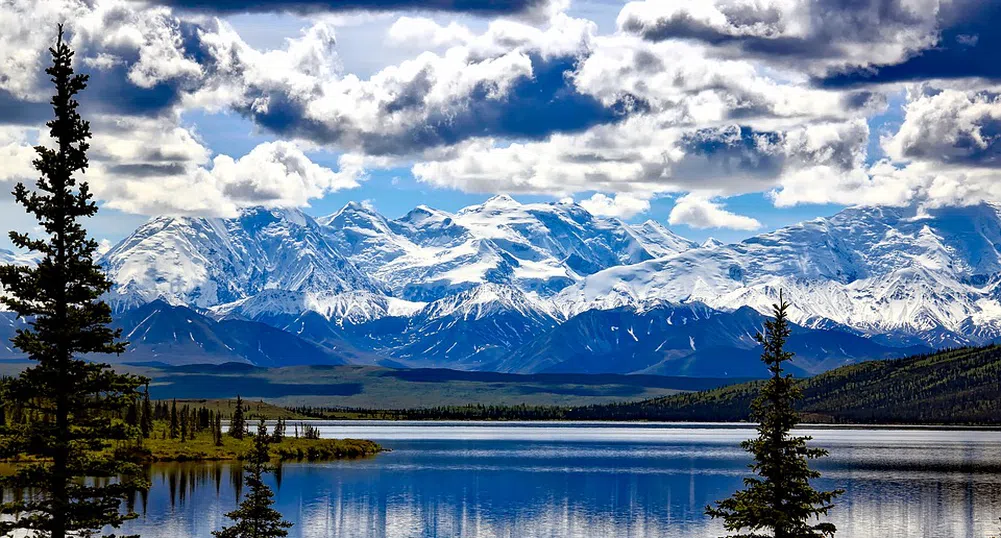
[256,518]
[780,499]
[132,413]
[184,424]
[237,425]
[218,429]
[146,421]
[173,426]
[74,404]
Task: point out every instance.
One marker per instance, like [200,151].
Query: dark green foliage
[779,499]
[69,409]
[957,386]
[132,414]
[174,425]
[184,423]
[237,425]
[256,518]
[146,421]
[279,432]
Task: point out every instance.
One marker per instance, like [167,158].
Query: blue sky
[717,117]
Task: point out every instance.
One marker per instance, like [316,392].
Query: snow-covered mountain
[550,287]
[540,248]
[905,275]
[207,262]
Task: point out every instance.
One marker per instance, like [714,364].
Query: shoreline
[288,449]
[729,424]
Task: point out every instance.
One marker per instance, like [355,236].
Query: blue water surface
[520,480]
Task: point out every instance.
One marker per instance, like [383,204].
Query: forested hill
[958,386]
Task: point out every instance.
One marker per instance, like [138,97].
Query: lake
[528,480]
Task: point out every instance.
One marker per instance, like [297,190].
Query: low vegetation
[203,448]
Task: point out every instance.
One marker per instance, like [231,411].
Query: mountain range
[543,288]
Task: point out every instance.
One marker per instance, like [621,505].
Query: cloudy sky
[718,117]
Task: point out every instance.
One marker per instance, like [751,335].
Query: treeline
[955,386]
[185,422]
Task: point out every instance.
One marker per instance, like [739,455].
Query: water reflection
[580,482]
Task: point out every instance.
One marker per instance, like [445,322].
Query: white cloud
[273,174]
[430,101]
[700,212]
[708,112]
[422,31]
[647,154]
[136,140]
[811,35]
[957,127]
[620,206]
[16,155]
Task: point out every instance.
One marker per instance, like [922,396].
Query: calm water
[587,480]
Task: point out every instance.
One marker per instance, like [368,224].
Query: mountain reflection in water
[588,481]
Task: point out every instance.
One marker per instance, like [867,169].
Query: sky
[723,118]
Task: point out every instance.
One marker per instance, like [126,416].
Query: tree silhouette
[256,518]
[70,406]
[780,498]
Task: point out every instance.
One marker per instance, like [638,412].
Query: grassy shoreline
[202,448]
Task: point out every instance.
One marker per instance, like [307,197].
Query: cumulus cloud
[814,35]
[699,211]
[16,154]
[965,46]
[273,174]
[719,97]
[512,83]
[697,88]
[619,206]
[422,31]
[951,126]
[648,154]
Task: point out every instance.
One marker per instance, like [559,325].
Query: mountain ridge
[515,287]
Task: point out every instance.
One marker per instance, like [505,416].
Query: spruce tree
[780,499]
[184,424]
[218,429]
[74,405]
[256,517]
[237,426]
[146,422]
[173,420]
[132,415]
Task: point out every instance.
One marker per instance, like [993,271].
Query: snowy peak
[711,243]
[355,215]
[207,262]
[660,241]
[875,270]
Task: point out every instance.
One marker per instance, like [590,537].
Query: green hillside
[960,386]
